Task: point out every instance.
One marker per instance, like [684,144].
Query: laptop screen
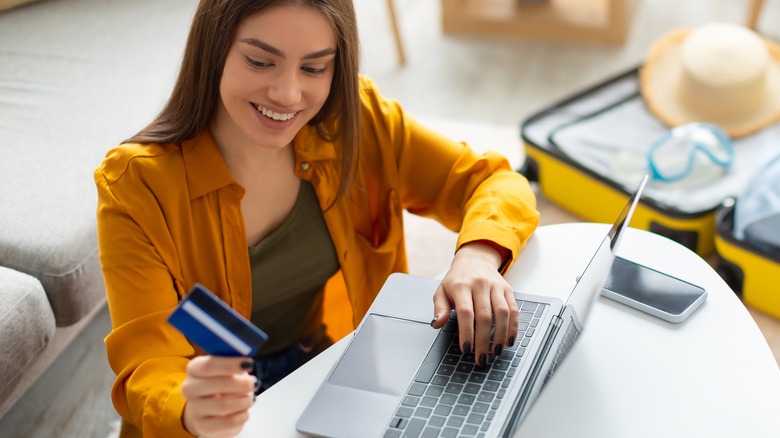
[589,285]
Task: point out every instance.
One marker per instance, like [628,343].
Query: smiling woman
[277,176]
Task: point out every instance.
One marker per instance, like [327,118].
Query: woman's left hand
[484,301]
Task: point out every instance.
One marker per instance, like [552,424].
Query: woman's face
[277,76]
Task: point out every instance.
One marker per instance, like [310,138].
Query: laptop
[398,377]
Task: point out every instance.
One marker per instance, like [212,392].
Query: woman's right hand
[219,393]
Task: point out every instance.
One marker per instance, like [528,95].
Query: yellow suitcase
[753,273]
[595,196]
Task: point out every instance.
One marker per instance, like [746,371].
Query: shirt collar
[309,146]
[207,172]
[205,168]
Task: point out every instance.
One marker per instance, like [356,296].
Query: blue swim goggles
[700,151]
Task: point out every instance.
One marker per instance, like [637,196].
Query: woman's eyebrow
[273,50]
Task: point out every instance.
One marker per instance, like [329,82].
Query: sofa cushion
[76,78]
[26,324]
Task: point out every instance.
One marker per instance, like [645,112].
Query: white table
[630,375]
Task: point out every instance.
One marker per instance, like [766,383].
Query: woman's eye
[314,70]
[257,64]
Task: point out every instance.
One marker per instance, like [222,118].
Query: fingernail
[483,360]
[248,364]
[434,320]
[511,341]
[499,348]
[467,348]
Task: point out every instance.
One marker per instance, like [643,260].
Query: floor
[470,87]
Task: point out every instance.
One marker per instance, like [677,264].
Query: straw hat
[719,73]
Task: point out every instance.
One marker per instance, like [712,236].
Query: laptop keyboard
[450,396]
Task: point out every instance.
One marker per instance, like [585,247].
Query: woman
[276,177]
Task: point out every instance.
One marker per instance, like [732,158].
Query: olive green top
[289,269]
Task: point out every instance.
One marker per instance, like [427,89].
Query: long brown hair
[195,95]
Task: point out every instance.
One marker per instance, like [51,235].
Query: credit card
[214,326]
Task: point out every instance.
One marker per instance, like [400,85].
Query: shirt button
[304,166]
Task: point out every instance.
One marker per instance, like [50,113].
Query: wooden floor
[460,80]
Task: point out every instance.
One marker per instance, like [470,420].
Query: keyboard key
[445,370]
[455,421]
[528,307]
[480,407]
[423,412]
[539,311]
[454,388]
[414,428]
[466,399]
[461,410]
[437,421]
[442,409]
[410,401]
[526,316]
[451,326]
[469,430]
[448,399]
[416,389]
[491,385]
[502,365]
[485,396]
[430,432]
[485,426]
[398,423]
[459,377]
[434,390]
[451,359]
[393,433]
[496,375]
[471,388]
[428,401]
[449,432]
[404,412]
[440,380]
[475,418]
[477,377]
[464,367]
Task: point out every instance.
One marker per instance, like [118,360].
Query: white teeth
[272,115]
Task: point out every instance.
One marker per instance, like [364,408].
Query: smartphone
[652,291]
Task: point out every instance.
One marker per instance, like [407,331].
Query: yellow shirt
[170,215]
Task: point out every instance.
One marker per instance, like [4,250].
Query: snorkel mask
[690,155]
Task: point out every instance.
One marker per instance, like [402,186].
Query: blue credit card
[214,326]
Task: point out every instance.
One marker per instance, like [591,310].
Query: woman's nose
[286,89]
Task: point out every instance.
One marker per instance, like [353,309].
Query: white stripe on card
[218,329]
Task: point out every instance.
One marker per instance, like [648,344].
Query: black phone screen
[647,286]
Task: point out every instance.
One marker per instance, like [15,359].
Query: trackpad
[384,355]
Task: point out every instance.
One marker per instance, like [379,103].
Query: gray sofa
[76,78]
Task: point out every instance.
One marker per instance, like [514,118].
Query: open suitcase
[750,271]
[577,149]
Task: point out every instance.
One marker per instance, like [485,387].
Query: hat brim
[660,79]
